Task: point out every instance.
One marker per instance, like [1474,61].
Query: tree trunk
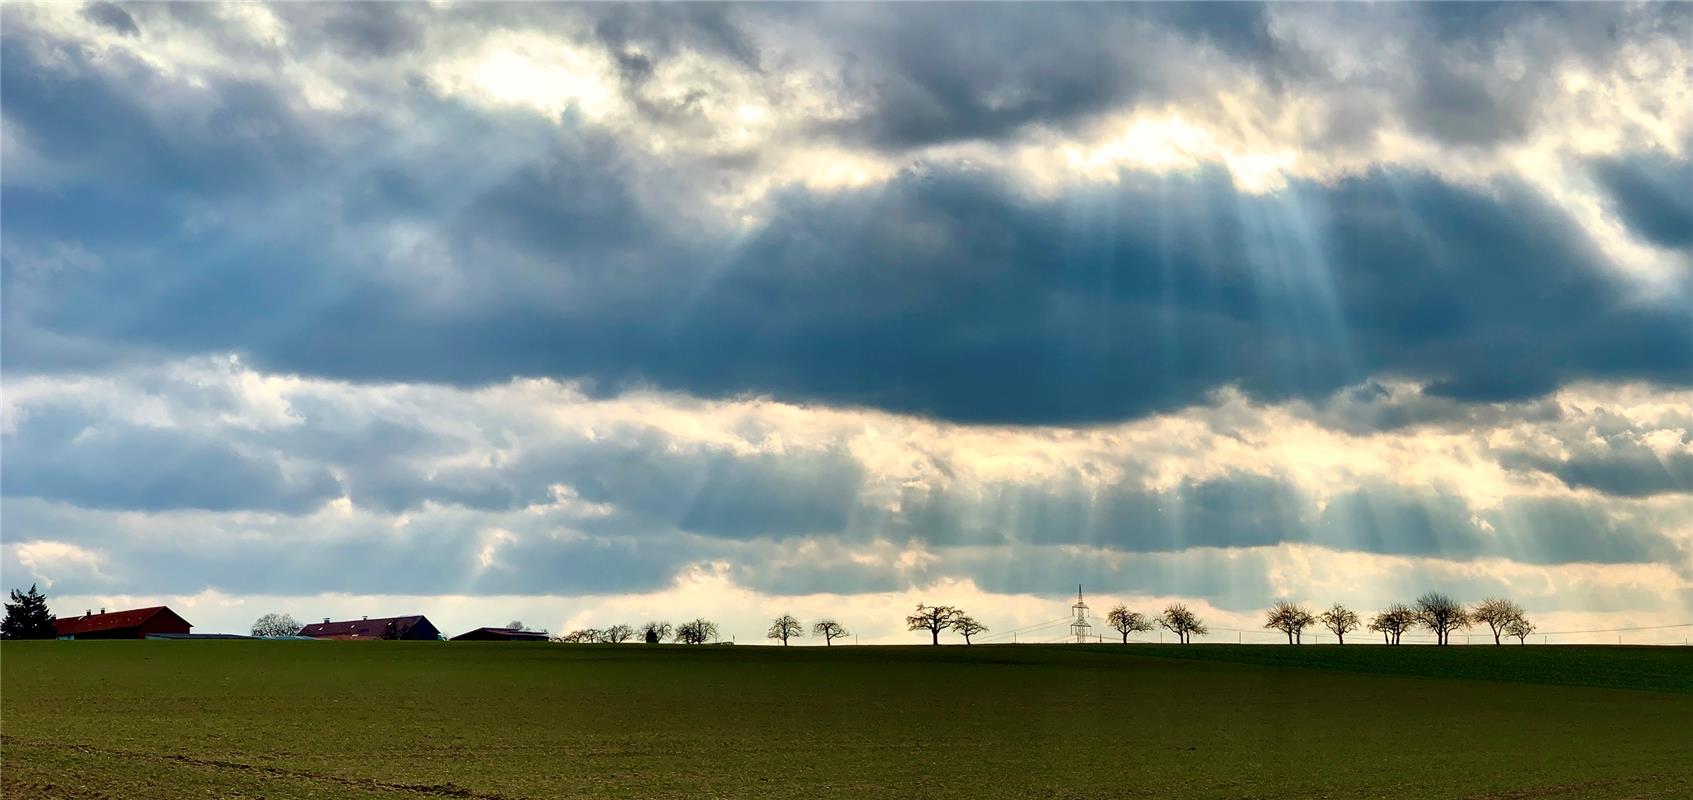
[934,636]
[1125,637]
[1341,637]
[1496,638]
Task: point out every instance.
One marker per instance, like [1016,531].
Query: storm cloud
[1178,300]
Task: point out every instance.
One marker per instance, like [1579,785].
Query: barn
[413,628]
[132,624]
[501,635]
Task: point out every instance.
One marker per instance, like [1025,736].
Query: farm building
[412,628]
[196,636]
[132,624]
[501,635]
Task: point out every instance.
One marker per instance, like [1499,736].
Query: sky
[597,314]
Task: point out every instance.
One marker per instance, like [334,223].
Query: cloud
[100,465]
[1653,194]
[572,251]
[111,16]
[598,300]
[533,483]
[1618,466]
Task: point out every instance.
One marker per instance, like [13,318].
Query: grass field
[231,719]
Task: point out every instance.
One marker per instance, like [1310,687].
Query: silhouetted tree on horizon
[1498,613]
[1340,621]
[1178,620]
[655,632]
[967,626]
[829,629]
[784,627]
[1125,622]
[699,631]
[27,616]
[1393,622]
[933,619]
[1442,615]
[1520,628]
[617,634]
[1289,618]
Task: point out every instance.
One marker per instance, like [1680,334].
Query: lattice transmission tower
[1080,625]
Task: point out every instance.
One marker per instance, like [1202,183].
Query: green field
[231,719]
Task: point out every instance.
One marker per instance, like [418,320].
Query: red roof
[88,623]
[358,628]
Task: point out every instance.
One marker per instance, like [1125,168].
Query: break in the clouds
[1215,301]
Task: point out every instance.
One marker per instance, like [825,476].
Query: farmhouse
[413,628]
[501,635]
[133,624]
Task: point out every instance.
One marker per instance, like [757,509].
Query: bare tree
[967,626]
[699,631]
[516,625]
[933,619]
[1520,628]
[1125,622]
[271,626]
[1340,621]
[1442,615]
[1178,620]
[655,632]
[783,628]
[829,629]
[582,636]
[1395,621]
[1289,618]
[617,634]
[1498,613]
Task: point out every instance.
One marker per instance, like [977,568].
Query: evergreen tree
[27,616]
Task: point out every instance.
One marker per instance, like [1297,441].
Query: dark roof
[503,633]
[88,623]
[197,636]
[358,628]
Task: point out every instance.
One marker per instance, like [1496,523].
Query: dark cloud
[104,464]
[1242,511]
[1620,467]
[448,553]
[112,16]
[1371,407]
[353,30]
[945,292]
[1653,194]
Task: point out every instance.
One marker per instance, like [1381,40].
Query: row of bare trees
[787,627]
[1292,619]
[935,619]
[1441,615]
[1434,612]
[1176,618]
[699,631]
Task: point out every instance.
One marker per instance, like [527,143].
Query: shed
[413,628]
[132,624]
[501,635]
